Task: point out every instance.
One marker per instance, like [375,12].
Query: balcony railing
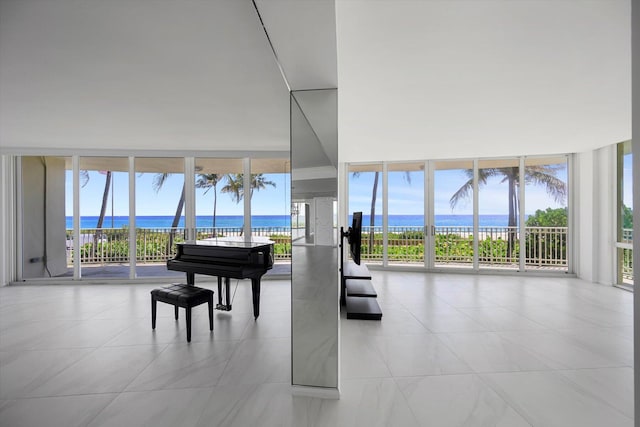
[545,247]
[157,245]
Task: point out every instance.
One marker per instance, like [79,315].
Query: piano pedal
[224,307]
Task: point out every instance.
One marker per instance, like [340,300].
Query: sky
[272,201]
[408,197]
[404,197]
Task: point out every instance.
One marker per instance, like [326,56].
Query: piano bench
[180,295]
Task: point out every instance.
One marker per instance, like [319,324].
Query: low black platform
[363,308]
[360,288]
[181,295]
[351,270]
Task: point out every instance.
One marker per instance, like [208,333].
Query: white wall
[594,205]
[42,219]
[7,215]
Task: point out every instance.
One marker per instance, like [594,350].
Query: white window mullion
[77,268]
[521,221]
[476,218]
[247,198]
[385,215]
[429,216]
[132,218]
[189,199]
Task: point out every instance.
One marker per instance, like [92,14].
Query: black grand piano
[225,259]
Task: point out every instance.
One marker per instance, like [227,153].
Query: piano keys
[225,259]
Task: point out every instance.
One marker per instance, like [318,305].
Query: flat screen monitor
[355,237]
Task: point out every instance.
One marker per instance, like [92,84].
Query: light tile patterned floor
[451,350]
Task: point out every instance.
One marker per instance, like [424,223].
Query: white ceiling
[143,74]
[464,78]
[416,79]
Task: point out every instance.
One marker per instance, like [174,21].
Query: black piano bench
[180,295]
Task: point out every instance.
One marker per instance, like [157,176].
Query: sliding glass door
[624,241]
[104,217]
[547,214]
[365,195]
[452,226]
[485,214]
[406,207]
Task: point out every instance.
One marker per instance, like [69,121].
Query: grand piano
[225,259]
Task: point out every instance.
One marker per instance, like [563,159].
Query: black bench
[181,295]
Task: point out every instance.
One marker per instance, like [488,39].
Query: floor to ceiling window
[159,210]
[453,214]
[219,197]
[406,226]
[624,200]
[104,216]
[365,195]
[498,213]
[271,204]
[121,217]
[479,214]
[546,211]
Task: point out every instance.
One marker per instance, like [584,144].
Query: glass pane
[104,216]
[219,197]
[453,210]
[405,232]
[159,213]
[271,204]
[625,214]
[546,225]
[46,245]
[498,210]
[365,195]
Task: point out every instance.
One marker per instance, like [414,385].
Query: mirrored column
[314,263]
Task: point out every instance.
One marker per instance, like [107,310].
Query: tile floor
[451,350]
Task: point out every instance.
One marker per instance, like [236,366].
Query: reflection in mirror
[314,258]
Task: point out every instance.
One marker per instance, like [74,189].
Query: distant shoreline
[280,221]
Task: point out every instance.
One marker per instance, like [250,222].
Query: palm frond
[462,193]
[545,175]
[159,180]
[84,176]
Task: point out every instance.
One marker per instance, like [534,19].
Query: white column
[189,198]
[132,218]
[77,270]
[246,163]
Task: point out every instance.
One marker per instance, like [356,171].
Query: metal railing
[157,245]
[545,247]
[626,255]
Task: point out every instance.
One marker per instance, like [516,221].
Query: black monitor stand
[356,290]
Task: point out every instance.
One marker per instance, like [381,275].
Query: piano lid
[231,242]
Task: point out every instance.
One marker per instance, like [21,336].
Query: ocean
[265,221]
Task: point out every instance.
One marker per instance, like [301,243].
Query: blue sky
[407,197]
[404,197]
[272,201]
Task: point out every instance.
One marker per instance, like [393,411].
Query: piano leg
[255,292]
[227,288]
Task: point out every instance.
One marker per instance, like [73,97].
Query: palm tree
[545,175]
[158,183]
[374,196]
[209,181]
[105,198]
[235,186]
